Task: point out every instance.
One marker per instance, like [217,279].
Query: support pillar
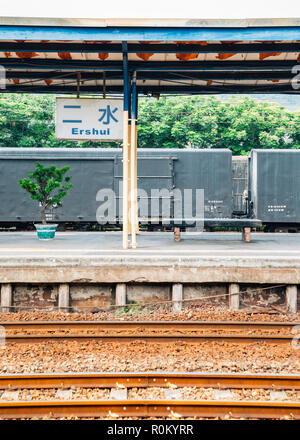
[133,165]
[291,299]
[246,235]
[129,180]
[177,236]
[6,298]
[133,188]
[126,101]
[121,294]
[177,297]
[234,297]
[137,228]
[63,297]
[125,180]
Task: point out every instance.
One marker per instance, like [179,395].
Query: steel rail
[239,339]
[149,408]
[150,331]
[148,380]
[179,325]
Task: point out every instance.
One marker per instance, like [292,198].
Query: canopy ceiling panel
[167,59]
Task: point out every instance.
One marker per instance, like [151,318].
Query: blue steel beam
[149,33]
[149,48]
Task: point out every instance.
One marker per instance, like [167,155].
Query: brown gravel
[156,313]
[153,393]
[144,331]
[194,393]
[213,356]
[51,394]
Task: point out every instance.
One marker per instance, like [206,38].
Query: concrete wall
[211,293]
[40,296]
[86,297]
[142,293]
[262,297]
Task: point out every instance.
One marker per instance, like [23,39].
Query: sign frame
[77,125]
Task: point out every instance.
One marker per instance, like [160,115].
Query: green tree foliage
[239,124]
[47,185]
[29,121]
[170,122]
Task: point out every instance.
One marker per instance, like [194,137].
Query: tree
[29,121]
[239,124]
[48,186]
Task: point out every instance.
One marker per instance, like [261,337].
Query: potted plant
[48,186]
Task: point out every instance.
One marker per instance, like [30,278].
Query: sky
[151,9]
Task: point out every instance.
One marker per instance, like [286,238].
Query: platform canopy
[176,56]
[130,57]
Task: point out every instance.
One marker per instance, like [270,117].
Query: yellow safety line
[22,249]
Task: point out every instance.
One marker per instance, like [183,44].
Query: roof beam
[181,89]
[150,48]
[149,75]
[123,33]
[82,65]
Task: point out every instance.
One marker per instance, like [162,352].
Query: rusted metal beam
[229,338]
[150,408]
[145,380]
[149,331]
[194,326]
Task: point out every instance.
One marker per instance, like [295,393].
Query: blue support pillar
[125,76]
[133,163]
[125,145]
[134,98]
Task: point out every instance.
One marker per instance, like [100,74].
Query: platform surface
[221,248]
[98,257]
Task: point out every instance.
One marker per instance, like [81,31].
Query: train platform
[198,257]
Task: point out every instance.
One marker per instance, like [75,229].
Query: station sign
[83,119]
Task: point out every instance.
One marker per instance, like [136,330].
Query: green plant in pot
[48,186]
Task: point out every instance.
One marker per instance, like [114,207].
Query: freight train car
[240,176]
[274,188]
[163,176]
[237,191]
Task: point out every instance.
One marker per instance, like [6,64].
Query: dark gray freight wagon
[99,169]
[240,185]
[275,186]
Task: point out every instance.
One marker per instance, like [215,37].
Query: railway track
[151,331]
[151,408]
[175,409]
[149,379]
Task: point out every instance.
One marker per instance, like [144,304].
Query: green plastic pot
[46,232]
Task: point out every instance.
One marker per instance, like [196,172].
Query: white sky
[151,8]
